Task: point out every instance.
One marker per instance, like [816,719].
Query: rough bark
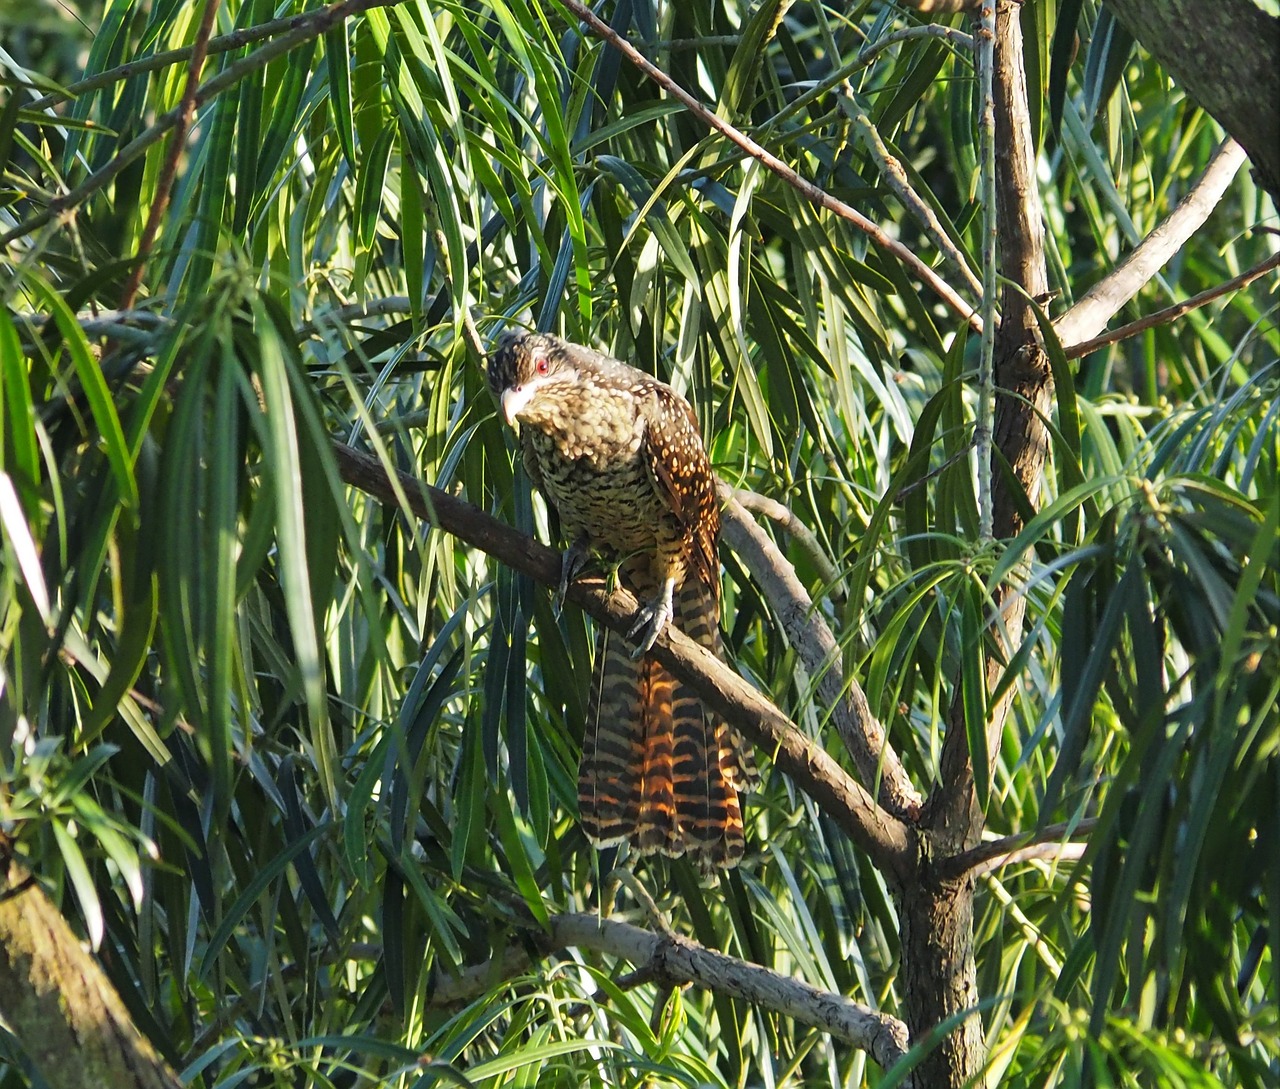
[1226,56]
[939,982]
[58,1003]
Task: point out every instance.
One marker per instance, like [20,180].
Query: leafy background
[294,759]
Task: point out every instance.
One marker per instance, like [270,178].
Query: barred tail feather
[625,790]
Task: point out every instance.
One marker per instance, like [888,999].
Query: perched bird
[619,457]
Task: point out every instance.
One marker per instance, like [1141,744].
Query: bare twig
[675,961]
[224,43]
[991,855]
[1102,301]
[984,46]
[882,835]
[895,177]
[807,632]
[1172,313]
[771,162]
[164,183]
[956,37]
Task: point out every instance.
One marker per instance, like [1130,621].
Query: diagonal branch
[1089,316]
[675,961]
[771,162]
[881,835]
[1050,842]
[808,633]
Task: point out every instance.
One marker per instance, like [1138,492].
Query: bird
[617,454]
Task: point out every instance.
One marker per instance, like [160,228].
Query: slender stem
[224,43]
[1171,313]
[895,177]
[984,40]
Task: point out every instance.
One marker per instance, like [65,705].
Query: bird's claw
[650,621]
[573,561]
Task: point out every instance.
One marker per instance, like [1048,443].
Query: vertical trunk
[939,981]
[936,918]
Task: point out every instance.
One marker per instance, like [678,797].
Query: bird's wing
[681,472]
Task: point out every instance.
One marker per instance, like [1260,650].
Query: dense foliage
[294,760]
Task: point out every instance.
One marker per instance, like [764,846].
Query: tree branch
[808,633]
[771,162]
[880,834]
[1020,846]
[1101,302]
[785,519]
[675,961]
[1172,313]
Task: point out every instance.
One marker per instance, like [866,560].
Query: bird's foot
[571,563]
[651,619]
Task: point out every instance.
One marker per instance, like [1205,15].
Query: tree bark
[939,982]
[1226,56]
[58,1003]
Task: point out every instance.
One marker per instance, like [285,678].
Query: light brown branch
[771,162]
[1018,847]
[1102,301]
[895,177]
[1172,313]
[808,633]
[785,518]
[676,961]
[879,833]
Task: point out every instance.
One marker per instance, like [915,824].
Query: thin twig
[224,43]
[895,177]
[771,162]
[1000,852]
[1172,313]
[164,183]
[956,37]
[984,40]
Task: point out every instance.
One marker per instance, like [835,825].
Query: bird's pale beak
[514,400]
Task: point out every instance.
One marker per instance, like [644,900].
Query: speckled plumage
[618,455]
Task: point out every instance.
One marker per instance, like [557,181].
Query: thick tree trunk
[58,1003]
[939,978]
[1226,56]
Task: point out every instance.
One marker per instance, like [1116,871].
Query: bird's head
[525,365]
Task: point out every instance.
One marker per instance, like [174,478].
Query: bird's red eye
[541,366]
